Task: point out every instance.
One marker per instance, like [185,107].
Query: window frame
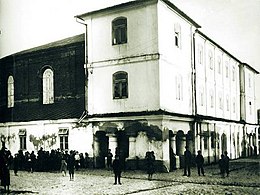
[48,86]
[119,84]
[219,64]
[177,35]
[119,31]
[64,138]
[210,55]
[200,53]
[179,87]
[22,139]
[227,69]
[10,91]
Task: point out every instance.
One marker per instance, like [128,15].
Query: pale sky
[233,24]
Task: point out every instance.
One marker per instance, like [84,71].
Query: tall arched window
[119,31]
[10,92]
[48,87]
[120,85]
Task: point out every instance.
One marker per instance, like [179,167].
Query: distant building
[152,82]
[43,96]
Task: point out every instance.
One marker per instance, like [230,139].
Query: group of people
[199,160]
[45,160]
[73,160]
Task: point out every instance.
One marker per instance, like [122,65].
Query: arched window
[10,92]
[48,87]
[119,31]
[120,85]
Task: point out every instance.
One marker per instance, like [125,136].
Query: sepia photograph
[130,97]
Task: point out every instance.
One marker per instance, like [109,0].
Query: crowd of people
[47,161]
[63,161]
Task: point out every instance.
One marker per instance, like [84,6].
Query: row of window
[63,138]
[220,99]
[120,87]
[119,32]
[47,88]
[219,63]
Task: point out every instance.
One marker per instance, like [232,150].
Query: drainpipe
[193,87]
[82,21]
[193,74]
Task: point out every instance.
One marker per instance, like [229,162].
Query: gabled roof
[139,3]
[59,43]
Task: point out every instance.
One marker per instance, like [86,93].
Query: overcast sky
[233,24]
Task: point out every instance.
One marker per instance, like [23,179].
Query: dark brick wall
[67,63]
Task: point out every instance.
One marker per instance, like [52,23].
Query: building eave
[137,3]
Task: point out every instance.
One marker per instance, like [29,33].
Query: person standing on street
[117,168]
[222,165]
[15,164]
[71,165]
[200,163]
[109,159]
[150,159]
[5,161]
[226,160]
[63,167]
[187,162]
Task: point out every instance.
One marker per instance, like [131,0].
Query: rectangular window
[220,101]
[219,65]
[211,98]
[234,105]
[250,108]
[211,60]
[120,85]
[64,138]
[227,70]
[249,80]
[179,88]
[233,74]
[227,103]
[200,57]
[177,44]
[201,96]
[22,138]
[177,35]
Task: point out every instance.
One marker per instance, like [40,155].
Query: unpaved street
[244,179]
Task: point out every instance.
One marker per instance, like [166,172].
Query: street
[244,179]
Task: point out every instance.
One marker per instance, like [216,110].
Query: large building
[153,82]
[43,96]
